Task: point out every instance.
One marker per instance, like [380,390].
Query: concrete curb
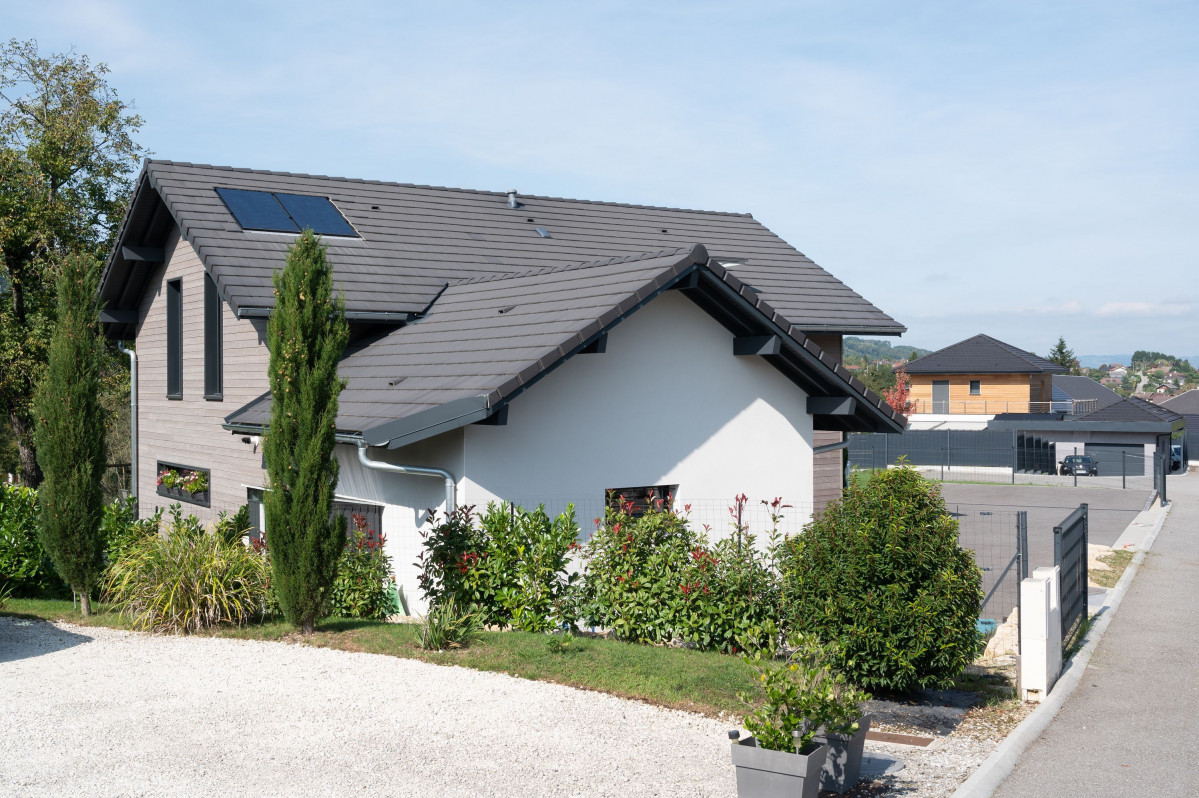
[999,765]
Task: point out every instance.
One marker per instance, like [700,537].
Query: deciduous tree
[67,158]
[306,334]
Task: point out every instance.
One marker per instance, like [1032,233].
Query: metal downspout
[132,416]
[450,485]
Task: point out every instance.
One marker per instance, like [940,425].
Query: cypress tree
[306,334]
[69,432]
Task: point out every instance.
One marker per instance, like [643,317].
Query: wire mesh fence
[998,541]
[715,517]
[1003,458]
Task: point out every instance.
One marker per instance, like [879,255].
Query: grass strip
[694,681]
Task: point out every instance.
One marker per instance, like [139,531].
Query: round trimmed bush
[880,574]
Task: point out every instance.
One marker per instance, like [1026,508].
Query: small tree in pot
[800,697]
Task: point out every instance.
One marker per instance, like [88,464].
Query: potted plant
[843,732]
[798,696]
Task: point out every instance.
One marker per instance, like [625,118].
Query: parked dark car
[1082,465]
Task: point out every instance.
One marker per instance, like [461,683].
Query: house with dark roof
[503,348]
[1129,437]
[1072,392]
[1186,404]
[966,384]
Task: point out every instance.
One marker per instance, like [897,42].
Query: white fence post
[1040,633]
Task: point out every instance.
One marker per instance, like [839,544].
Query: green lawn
[701,682]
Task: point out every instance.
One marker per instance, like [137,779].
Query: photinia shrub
[24,566]
[652,578]
[880,574]
[512,568]
[364,587]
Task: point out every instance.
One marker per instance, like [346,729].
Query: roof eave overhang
[1153,427]
[798,358]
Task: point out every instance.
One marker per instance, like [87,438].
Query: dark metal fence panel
[1006,457]
[1070,556]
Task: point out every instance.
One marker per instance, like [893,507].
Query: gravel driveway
[93,711]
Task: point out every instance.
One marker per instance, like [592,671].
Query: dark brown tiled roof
[1131,409]
[486,339]
[415,239]
[1186,403]
[982,354]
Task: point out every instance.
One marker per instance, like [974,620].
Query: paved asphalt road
[1131,728]
[1109,512]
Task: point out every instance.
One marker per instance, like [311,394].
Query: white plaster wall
[406,499]
[924,421]
[667,403]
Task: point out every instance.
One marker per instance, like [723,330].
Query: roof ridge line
[575,265]
[497,194]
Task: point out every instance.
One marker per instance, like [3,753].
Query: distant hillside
[1094,361]
[872,349]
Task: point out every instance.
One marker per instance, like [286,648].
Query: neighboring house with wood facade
[504,348]
[966,384]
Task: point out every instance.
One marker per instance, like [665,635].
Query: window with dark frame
[976,387]
[640,499]
[371,515]
[174,339]
[213,367]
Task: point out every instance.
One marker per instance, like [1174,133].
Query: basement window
[640,500]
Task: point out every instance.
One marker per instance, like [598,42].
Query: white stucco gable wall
[666,403]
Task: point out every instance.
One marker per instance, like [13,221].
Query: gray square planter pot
[843,765]
[777,774]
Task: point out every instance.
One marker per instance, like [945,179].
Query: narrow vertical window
[212,340]
[175,339]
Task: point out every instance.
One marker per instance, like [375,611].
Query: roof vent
[512,201]
[541,231]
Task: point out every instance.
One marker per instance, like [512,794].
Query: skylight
[284,213]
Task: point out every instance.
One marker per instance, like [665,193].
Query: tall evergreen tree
[306,334]
[69,432]
[1063,356]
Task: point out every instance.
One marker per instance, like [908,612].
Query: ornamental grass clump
[880,574]
[183,582]
[799,696]
[449,625]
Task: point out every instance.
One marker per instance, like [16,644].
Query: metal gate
[1070,556]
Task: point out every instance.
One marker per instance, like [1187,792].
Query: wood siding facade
[187,431]
[827,471]
[998,393]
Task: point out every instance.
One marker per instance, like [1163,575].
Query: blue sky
[1027,170]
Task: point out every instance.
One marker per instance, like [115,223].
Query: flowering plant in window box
[188,484]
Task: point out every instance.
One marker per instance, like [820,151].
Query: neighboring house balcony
[994,407]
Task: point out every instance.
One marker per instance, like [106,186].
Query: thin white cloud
[1117,309]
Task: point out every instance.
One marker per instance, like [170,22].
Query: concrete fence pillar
[1040,633]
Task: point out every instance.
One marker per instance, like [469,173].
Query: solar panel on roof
[317,213]
[257,210]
